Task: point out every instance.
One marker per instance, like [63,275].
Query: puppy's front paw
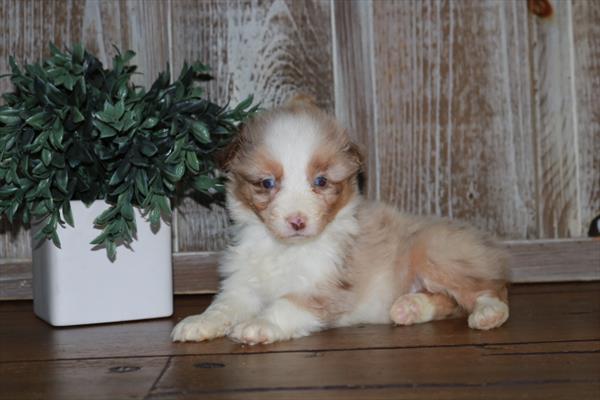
[197,328]
[256,331]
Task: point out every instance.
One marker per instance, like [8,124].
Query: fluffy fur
[308,256]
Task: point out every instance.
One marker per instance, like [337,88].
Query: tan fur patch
[247,181]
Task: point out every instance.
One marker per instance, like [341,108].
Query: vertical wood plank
[453,111]
[353,61]
[586,39]
[270,49]
[27,26]
[554,133]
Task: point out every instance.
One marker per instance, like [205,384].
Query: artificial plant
[73,130]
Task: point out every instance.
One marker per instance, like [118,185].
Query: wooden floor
[549,349]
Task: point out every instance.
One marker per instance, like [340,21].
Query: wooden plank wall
[481,110]
[478,110]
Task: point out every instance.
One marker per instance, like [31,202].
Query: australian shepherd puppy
[310,253]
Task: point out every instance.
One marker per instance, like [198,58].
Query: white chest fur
[273,269]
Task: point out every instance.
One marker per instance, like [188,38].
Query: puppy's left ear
[355,155]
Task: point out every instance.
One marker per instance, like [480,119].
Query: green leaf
[68,81]
[39,141]
[111,113]
[191,160]
[10,120]
[119,109]
[55,239]
[154,217]
[204,183]
[37,120]
[200,68]
[106,130]
[174,172]
[200,131]
[120,173]
[56,136]
[111,250]
[40,209]
[10,111]
[46,157]
[26,217]
[78,53]
[67,214]
[245,103]
[176,152]
[127,211]
[76,115]
[150,122]
[12,211]
[164,204]
[128,120]
[100,238]
[148,148]
[106,216]
[7,191]
[62,179]
[141,182]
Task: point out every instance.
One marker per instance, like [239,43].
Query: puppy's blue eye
[320,181]
[268,183]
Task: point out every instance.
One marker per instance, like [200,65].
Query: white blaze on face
[292,140]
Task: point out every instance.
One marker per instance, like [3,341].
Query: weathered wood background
[478,110]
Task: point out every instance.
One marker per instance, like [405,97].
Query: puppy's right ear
[224,158]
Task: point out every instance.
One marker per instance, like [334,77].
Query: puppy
[309,252]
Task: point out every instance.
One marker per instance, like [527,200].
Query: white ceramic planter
[76,285]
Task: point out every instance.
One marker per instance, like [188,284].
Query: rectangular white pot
[76,285]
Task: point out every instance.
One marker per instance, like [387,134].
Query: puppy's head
[295,168]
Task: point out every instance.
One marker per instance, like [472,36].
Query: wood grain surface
[554,124]
[477,110]
[121,378]
[408,371]
[548,349]
[539,313]
[586,37]
[452,104]
[354,65]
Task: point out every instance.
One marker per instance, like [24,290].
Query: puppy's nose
[297,222]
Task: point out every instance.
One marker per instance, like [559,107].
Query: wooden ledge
[557,260]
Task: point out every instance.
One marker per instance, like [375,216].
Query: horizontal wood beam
[557,260]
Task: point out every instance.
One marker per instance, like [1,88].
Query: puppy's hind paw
[197,328]
[411,309]
[489,313]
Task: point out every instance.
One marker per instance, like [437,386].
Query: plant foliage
[73,130]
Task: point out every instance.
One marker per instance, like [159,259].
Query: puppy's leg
[416,308]
[282,320]
[463,263]
[228,309]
